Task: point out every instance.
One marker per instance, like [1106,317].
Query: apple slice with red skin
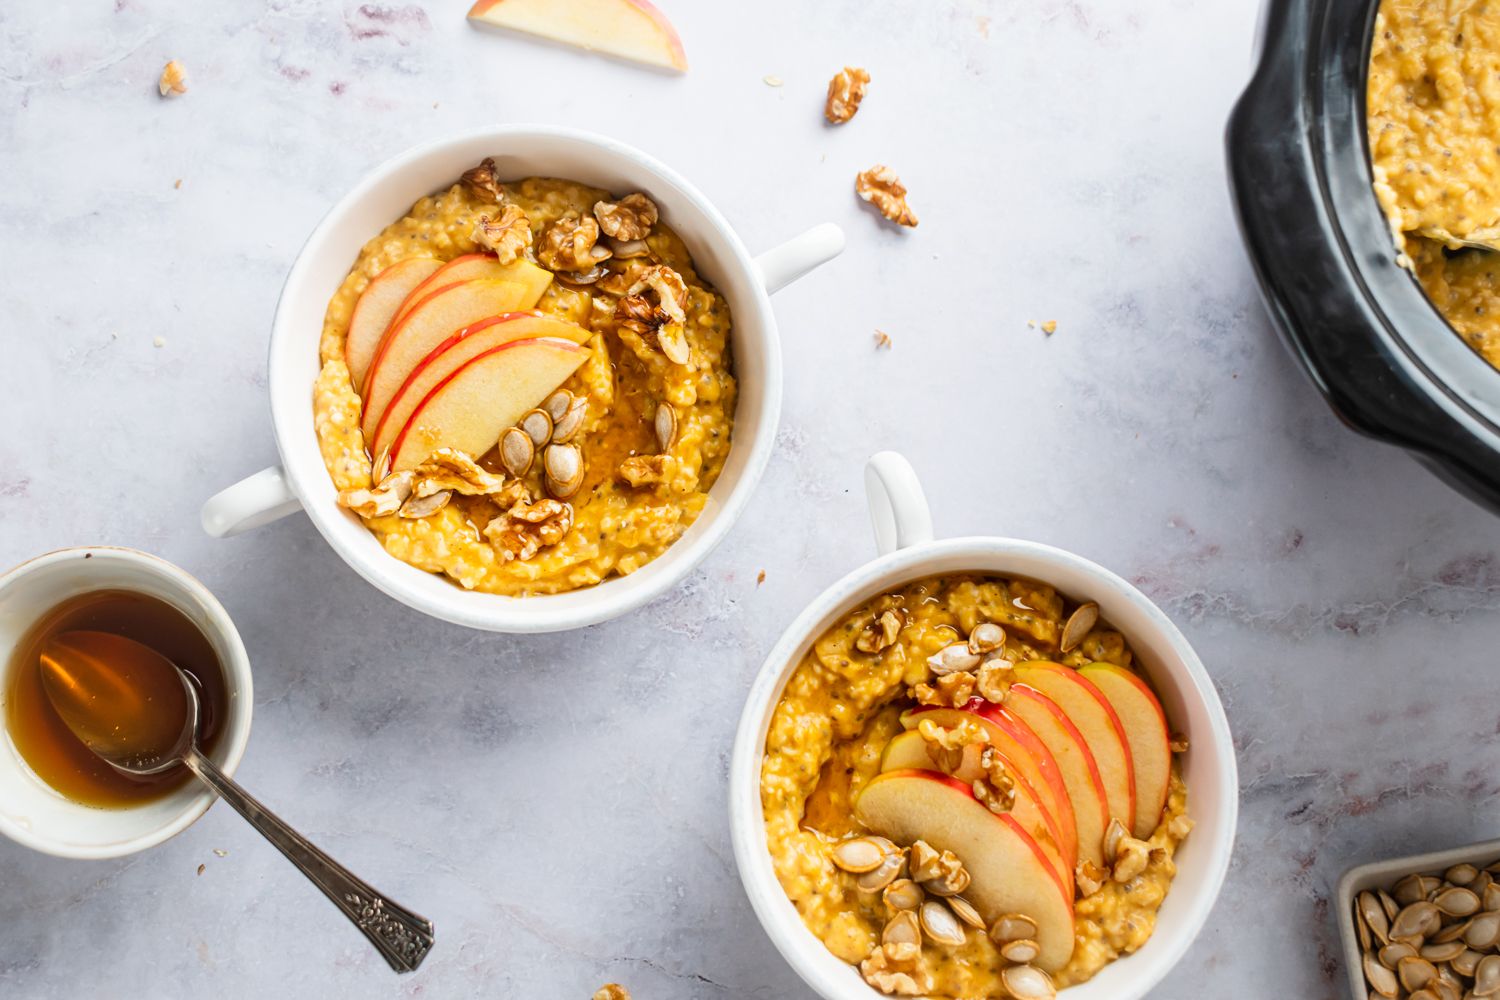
[448,356]
[1080,771]
[1095,717]
[1009,871]
[908,752]
[1150,741]
[436,317]
[377,306]
[629,29]
[484,267]
[469,408]
[1032,760]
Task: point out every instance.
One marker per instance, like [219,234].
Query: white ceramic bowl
[903,530]
[386,194]
[31,813]
[1384,874]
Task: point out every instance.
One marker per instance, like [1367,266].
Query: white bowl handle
[898,507]
[780,266]
[249,503]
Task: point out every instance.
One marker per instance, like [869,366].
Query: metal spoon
[1487,238]
[93,678]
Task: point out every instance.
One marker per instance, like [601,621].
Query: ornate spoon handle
[398,934]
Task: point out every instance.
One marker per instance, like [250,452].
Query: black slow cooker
[1299,170]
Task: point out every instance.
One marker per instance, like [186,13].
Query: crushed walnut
[383,500]
[663,320]
[996,791]
[845,91]
[993,679]
[1089,878]
[571,244]
[484,181]
[881,633]
[630,218]
[945,745]
[612,991]
[507,236]
[896,969]
[527,528]
[643,470]
[882,188]
[449,469]
[173,79]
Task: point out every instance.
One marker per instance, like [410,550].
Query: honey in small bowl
[44,740]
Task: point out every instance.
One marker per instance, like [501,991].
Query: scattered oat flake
[760,578]
[158,341]
[1031,324]
[173,79]
[218,852]
[1049,327]
[202,869]
[178,185]
[882,339]
[772,80]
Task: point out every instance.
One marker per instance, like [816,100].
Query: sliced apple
[376,308]
[908,752]
[484,267]
[1032,760]
[1008,869]
[1095,719]
[469,408]
[1150,742]
[436,317]
[629,29]
[1080,771]
[455,352]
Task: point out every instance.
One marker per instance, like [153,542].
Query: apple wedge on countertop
[628,29]
[469,408]
[1009,871]
[1150,741]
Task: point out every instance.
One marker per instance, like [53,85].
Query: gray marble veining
[556,804]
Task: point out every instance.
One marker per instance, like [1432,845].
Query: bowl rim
[305,472]
[779,919]
[231,749]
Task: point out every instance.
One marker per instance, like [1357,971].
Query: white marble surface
[556,804]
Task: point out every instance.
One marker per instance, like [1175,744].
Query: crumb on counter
[173,79]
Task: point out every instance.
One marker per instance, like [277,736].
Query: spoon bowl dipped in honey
[139,713]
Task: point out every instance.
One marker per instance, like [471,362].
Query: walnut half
[507,236]
[570,244]
[882,188]
[845,91]
[630,218]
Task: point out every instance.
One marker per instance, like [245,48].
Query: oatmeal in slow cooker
[526,386]
[1433,114]
[970,791]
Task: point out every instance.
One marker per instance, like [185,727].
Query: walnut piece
[957,688]
[1130,859]
[570,244]
[527,528]
[993,679]
[448,469]
[893,970]
[662,321]
[173,79]
[612,991]
[881,633]
[643,470]
[845,91]
[381,501]
[483,180]
[630,218]
[882,188]
[1089,878]
[997,789]
[507,236]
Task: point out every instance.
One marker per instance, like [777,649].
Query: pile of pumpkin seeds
[1432,938]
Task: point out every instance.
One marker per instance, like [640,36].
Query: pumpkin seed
[1026,982]
[1414,888]
[1466,962]
[568,427]
[1461,874]
[665,423]
[517,452]
[1415,972]
[1080,623]
[1381,979]
[1373,913]
[862,854]
[1452,932]
[1416,921]
[557,404]
[423,506]
[1487,976]
[1021,952]
[889,870]
[1393,953]
[1447,951]
[1457,902]
[953,659]
[941,925]
[626,249]
[538,426]
[903,894]
[964,910]
[1012,927]
[1483,931]
[902,929]
[1492,896]
[563,464]
[1388,904]
[1422,995]
[986,638]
